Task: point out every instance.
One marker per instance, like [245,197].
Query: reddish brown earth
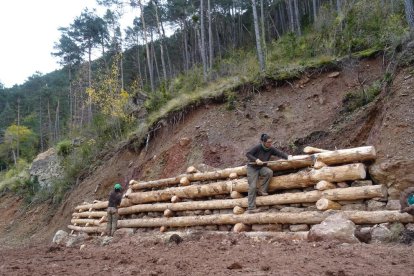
[208,255]
[305,112]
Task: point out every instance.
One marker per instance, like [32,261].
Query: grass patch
[17,180]
[212,90]
[64,148]
[363,96]
[367,53]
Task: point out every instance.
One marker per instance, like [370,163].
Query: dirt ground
[207,254]
[305,112]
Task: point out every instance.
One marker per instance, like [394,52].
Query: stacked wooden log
[299,196]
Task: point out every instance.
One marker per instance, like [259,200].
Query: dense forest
[173,51]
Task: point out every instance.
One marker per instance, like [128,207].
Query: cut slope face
[305,112]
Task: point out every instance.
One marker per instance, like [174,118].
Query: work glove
[259,162]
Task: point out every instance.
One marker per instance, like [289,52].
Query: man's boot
[261,193]
[253,211]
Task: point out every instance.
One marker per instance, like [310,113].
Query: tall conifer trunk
[409,13]
[257,33]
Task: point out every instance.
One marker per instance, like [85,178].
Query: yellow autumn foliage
[108,94]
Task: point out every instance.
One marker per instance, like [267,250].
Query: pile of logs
[299,197]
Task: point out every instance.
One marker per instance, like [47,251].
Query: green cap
[118,186]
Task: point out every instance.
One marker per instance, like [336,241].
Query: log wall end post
[235,195]
[175,199]
[324,185]
[133,182]
[319,165]
[184,181]
[326,204]
[240,227]
[168,213]
[233,175]
[237,210]
[191,169]
[362,170]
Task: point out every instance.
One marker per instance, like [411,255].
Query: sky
[29,30]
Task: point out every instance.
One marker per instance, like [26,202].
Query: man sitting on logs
[407,201]
[114,201]
[259,155]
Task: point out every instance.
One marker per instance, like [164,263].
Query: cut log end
[238,210]
[319,165]
[326,204]
[324,185]
[361,169]
[233,175]
[191,169]
[168,213]
[241,227]
[175,199]
[184,181]
[236,195]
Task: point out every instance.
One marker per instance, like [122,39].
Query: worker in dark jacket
[407,201]
[258,155]
[115,198]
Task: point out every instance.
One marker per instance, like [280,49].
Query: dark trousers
[252,178]
[111,225]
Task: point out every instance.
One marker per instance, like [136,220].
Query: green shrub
[16,179]
[160,97]
[230,100]
[59,189]
[64,148]
[29,188]
[357,99]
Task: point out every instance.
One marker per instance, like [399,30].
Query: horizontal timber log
[344,156]
[310,150]
[311,217]
[93,214]
[355,193]
[91,229]
[95,206]
[304,178]
[95,222]
[329,157]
